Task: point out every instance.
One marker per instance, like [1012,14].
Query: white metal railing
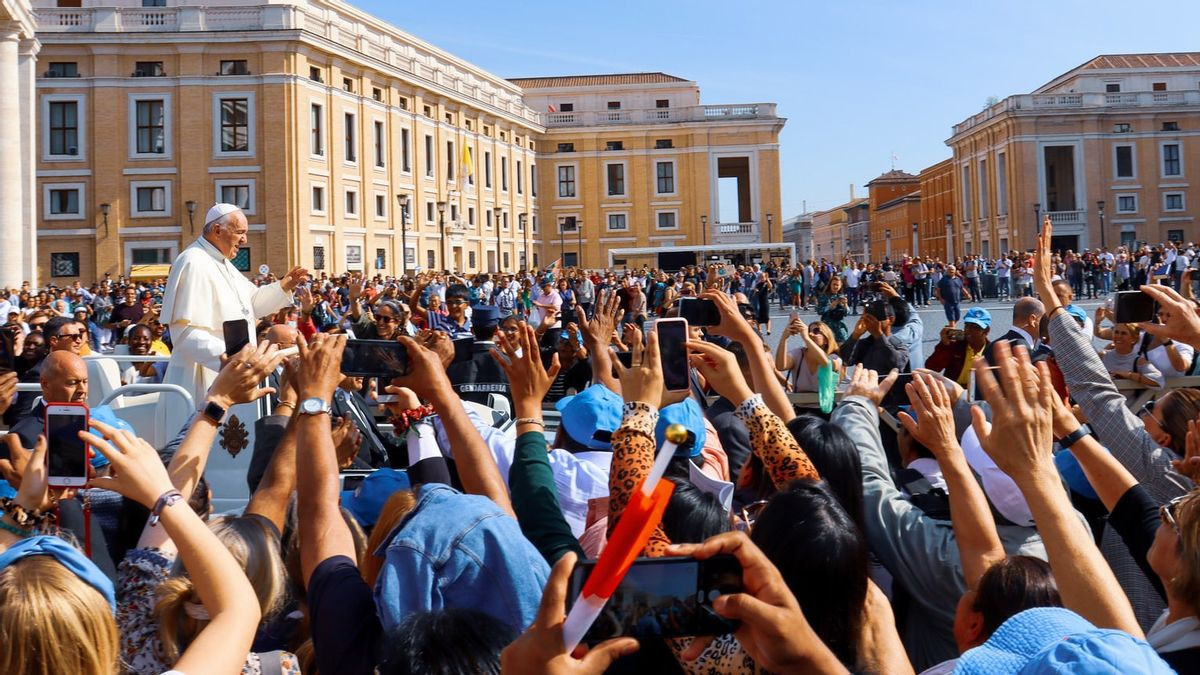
[1077,100]
[1067,217]
[699,113]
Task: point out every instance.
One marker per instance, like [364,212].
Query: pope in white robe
[204,290]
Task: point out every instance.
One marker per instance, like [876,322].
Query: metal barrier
[150,389]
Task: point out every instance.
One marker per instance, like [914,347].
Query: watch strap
[1074,437]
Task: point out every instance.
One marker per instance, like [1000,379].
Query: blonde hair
[831,345]
[1186,584]
[394,509]
[53,622]
[256,548]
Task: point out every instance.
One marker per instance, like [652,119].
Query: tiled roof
[1176,60]
[594,80]
[895,176]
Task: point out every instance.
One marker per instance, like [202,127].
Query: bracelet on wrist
[29,519]
[19,531]
[531,420]
[167,498]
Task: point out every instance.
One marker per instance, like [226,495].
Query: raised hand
[304,295]
[866,383]
[8,389]
[643,381]
[240,376]
[355,287]
[528,379]
[720,369]
[347,439]
[426,373]
[1042,267]
[599,329]
[136,470]
[320,367]
[1021,434]
[732,325]
[1180,320]
[934,423]
[1190,464]
[293,278]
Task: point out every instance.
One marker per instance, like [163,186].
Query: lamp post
[402,201]
[1037,217]
[104,212]
[704,229]
[191,209]
[770,219]
[562,236]
[441,207]
[579,246]
[498,211]
[949,235]
[523,218]
[1100,208]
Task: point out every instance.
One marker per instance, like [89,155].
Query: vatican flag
[466,170]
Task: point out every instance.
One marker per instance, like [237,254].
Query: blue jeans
[952,312]
[852,298]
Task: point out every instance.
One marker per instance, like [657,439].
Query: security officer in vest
[477,376]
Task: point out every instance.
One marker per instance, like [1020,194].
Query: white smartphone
[672,350]
[66,453]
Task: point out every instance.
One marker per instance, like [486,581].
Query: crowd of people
[430,523]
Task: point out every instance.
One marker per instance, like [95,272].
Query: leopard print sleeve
[633,457]
[774,444]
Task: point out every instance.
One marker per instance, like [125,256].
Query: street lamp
[579,246]
[704,228]
[498,211]
[523,218]
[191,209]
[949,233]
[1100,208]
[104,212]
[770,219]
[1037,217]
[441,207]
[402,200]
[562,235]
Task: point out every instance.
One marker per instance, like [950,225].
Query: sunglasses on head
[1167,512]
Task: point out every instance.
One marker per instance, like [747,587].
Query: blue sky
[857,81]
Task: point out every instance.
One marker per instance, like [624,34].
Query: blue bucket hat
[591,416]
[1057,640]
[687,412]
[366,501]
[978,316]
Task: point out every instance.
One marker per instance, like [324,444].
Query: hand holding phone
[673,353]
[66,452]
[1133,307]
[237,335]
[385,359]
[699,311]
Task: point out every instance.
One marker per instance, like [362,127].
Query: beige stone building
[1111,141]
[843,231]
[321,120]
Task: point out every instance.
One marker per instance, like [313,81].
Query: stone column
[12,189]
[29,147]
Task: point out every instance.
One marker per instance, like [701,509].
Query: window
[429,261]
[318,199]
[471,216]
[1001,184]
[617,223]
[377,93]
[64,264]
[665,183]
[566,107]
[567,224]
[317,125]
[351,138]
[150,198]
[62,201]
[354,254]
[470,165]
[614,105]
[234,67]
[348,84]
[235,125]
[454,213]
[616,179]
[151,137]
[471,260]
[662,103]
[318,257]
[535,224]
[533,179]
[1175,236]
[1158,86]
[506,260]
[502,135]
[150,256]
[504,173]
[236,194]
[666,220]
[428,156]
[404,103]
[154,3]
[410,256]
[429,211]
[984,211]
[487,218]
[405,152]
[566,147]
[380,206]
[1173,201]
[663,144]
[1171,165]
[570,259]
[614,145]
[504,219]
[63,128]
[428,111]
[381,258]
[450,119]
[314,74]
[566,181]
[449,160]
[1124,163]
[487,169]
[351,203]
[1127,204]
[379,145]
[63,69]
[1122,128]
[1170,126]
[148,69]
[966,195]
[520,178]
[1112,87]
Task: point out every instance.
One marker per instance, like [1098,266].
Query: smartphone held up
[673,353]
[66,452]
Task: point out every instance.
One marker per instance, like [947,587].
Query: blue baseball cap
[1078,314]
[1057,640]
[687,412]
[591,416]
[366,501]
[978,316]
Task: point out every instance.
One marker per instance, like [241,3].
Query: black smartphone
[672,350]
[464,349]
[384,359]
[626,359]
[664,598]
[699,311]
[1133,307]
[237,335]
[7,348]
[897,395]
[352,478]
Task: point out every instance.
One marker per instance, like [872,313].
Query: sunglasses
[73,336]
[386,319]
[744,521]
[1148,409]
[1167,512]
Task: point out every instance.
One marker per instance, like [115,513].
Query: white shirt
[1158,357]
[852,277]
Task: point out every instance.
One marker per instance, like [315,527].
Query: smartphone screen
[664,597]
[1133,307]
[7,347]
[375,358]
[626,359]
[672,348]
[66,453]
[237,335]
[699,311]
[897,395]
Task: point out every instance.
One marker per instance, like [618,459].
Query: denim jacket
[462,551]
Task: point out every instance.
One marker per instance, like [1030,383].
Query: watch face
[312,406]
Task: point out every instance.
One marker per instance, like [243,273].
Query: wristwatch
[1075,436]
[215,412]
[315,406]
